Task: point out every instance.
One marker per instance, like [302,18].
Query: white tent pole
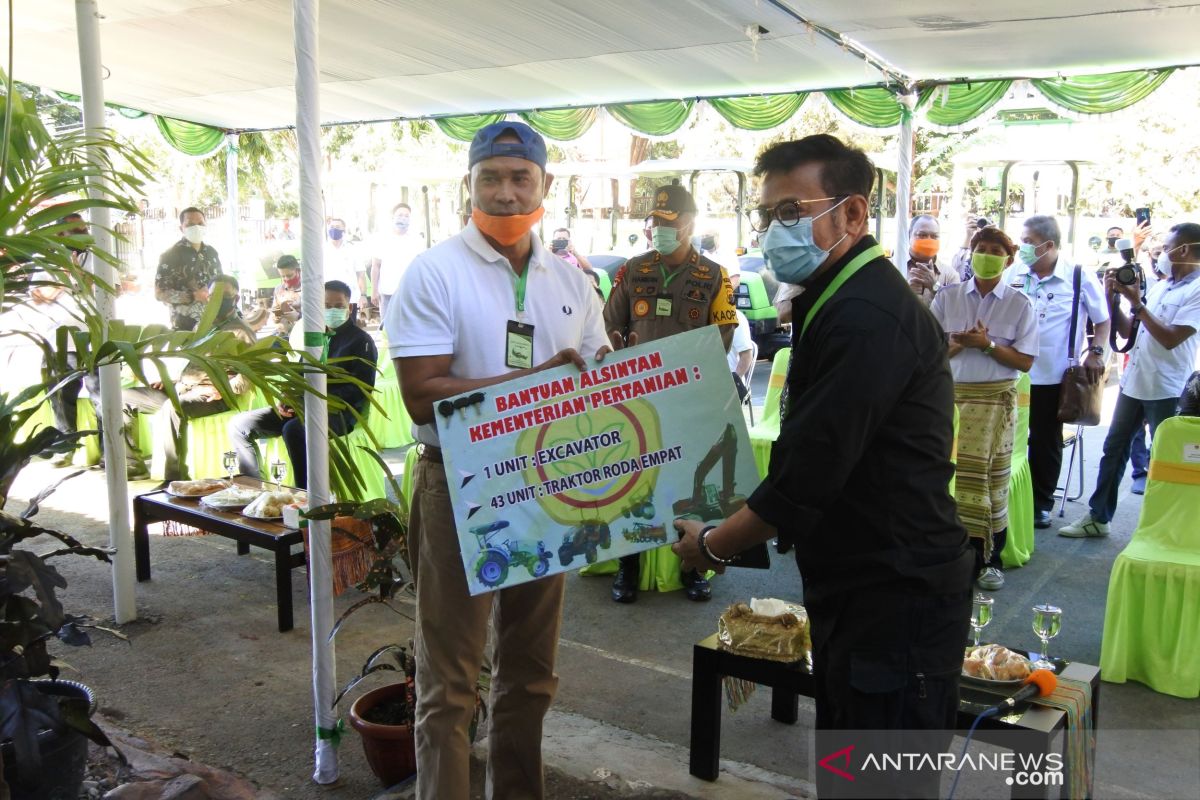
[316,413]
[231,202]
[87,26]
[908,103]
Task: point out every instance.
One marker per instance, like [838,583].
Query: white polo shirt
[1052,298]
[457,298]
[1008,316]
[342,263]
[1154,372]
[395,253]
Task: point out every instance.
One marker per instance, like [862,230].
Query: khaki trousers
[452,633]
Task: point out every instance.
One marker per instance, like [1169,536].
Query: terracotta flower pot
[391,750]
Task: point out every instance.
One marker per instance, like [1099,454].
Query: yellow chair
[1018,549]
[764,434]
[1152,615]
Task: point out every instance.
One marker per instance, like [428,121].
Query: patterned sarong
[987,412]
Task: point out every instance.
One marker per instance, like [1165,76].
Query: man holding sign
[483,307]
[858,476]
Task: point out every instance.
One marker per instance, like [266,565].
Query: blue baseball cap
[531,147]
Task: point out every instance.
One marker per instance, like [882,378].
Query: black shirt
[859,476]
[351,341]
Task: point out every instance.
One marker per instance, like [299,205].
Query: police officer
[671,289]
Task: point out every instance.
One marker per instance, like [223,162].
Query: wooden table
[158,506]
[710,664]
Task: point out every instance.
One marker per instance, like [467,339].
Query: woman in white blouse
[992,333]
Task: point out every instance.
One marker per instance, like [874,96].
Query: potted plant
[385,717]
[43,723]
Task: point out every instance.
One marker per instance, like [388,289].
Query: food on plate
[200,488]
[269,505]
[993,662]
[233,497]
[770,629]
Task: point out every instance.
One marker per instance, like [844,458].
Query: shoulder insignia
[645,270]
[620,275]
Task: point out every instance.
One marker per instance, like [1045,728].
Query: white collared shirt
[1154,372]
[1052,298]
[1008,316]
[457,298]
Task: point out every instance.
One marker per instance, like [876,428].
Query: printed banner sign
[565,468]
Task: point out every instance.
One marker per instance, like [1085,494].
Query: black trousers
[886,662]
[1045,444]
[145,399]
[264,423]
[65,402]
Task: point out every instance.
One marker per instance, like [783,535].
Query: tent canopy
[229,63]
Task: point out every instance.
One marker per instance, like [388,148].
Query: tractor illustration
[708,501]
[642,509]
[495,557]
[642,532]
[585,538]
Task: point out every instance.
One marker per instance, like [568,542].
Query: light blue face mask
[791,251]
[336,317]
[665,240]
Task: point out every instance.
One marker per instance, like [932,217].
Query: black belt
[430,453]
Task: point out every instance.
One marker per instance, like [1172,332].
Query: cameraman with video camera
[1163,326]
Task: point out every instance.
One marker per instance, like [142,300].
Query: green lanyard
[691,262]
[860,261]
[522,279]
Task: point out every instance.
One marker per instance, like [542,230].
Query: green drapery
[463,128]
[960,103]
[1101,94]
[562,124]
[657,118]
[190,138]
[124,111]
[873,107]
[760,112]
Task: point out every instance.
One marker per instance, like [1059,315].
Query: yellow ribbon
[1188,474]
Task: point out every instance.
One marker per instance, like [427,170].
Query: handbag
[1079,399]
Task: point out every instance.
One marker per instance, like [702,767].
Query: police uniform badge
[641,308]
[693,314]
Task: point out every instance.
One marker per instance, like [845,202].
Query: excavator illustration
[708,501]
[495,557]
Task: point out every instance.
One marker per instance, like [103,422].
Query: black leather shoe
[625,582]
[1041,519]
[698,588]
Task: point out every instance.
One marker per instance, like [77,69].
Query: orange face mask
[924,249]
[506,230]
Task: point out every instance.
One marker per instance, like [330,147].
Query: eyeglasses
[789,213]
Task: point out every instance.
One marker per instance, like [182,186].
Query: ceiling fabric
[228,64]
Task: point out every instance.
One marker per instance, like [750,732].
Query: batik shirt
[182,269]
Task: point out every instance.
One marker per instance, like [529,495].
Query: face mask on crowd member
[1029,252]
[673,220]
[789,245]
[191,224]
[401,218]
[290,278]
[1168,260]
[508,181]
[337,308]
[336,232]
[194,233]
[1112,236]
[924,239]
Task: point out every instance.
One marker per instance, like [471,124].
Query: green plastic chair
[764,434]
[1152,616]
[410,475]
[1018,549]
[370,473]
[208,438]
[393,427]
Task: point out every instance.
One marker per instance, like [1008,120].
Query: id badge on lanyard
[518,337]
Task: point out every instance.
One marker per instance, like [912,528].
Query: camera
[1129,273]
[559,245]
[982,223]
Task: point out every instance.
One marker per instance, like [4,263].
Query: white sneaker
[990,579]
[1084,528]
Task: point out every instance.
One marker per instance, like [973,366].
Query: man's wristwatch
[991,348]
[702,541]
[1097,349]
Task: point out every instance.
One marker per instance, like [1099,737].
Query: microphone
[1126,248]
[1040,683]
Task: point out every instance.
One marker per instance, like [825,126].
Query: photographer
[1047,278]
[562,247]
[1160,362]
[961,263]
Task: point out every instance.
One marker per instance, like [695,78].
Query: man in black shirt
[346,340]
[858,477]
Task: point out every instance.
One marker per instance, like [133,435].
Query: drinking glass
[981,614]
[278,472]
[1047,620]
[229,460]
